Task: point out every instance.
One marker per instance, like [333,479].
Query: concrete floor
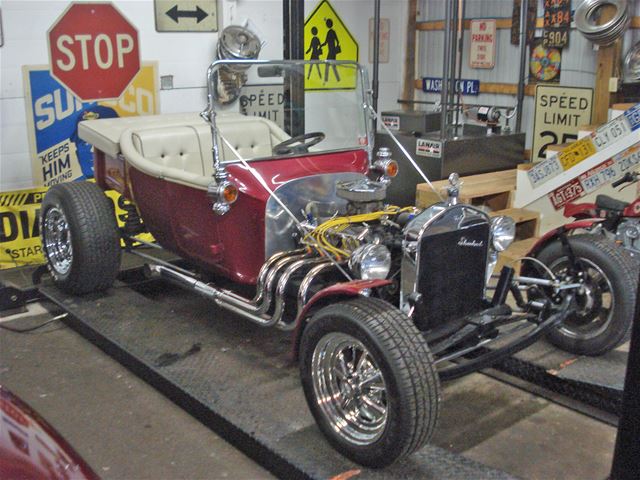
[120,425]
[125,429]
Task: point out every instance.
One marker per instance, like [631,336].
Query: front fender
[336,292]
[554,234]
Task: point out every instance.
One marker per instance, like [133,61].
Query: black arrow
[175,14]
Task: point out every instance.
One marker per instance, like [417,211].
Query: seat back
[171,147]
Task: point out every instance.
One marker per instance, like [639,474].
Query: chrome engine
[628,234]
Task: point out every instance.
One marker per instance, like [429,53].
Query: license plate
[604,173]
[566,193]
[633,115]
[576,152]
[611,132]
[544,171]
[628,160]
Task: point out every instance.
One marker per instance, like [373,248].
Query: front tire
[603,311]
[80,238]
[369,380]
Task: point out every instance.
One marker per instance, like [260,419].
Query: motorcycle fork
[574,264]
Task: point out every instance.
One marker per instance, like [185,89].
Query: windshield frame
[210,112]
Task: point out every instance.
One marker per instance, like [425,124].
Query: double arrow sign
[175,14]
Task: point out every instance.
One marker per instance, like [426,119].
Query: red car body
[31,449]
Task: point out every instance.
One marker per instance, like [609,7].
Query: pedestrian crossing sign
[326,37]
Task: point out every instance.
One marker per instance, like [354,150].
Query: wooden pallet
[494,192]
[512,255]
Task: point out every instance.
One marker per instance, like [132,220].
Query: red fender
[579,209]
[551,235]
[339,290]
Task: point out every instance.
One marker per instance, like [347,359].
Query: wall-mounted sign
[482,53]
[93,50]
[385,28]
[186,15]
[20,225]
[559,113]
[556,23]
[465,87]
[53,113]
[326,37]
[266,101]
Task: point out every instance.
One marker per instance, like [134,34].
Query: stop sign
[93,50]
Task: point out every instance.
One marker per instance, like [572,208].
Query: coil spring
[132,222]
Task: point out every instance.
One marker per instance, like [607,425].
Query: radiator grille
[451,270]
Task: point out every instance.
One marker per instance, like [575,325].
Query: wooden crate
[493,190]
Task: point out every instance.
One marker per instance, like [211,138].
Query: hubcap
[57,240]
[594,300]
[349,388]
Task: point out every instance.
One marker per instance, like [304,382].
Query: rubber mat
[236,378]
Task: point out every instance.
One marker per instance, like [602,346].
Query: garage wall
[183,55]
[578,59]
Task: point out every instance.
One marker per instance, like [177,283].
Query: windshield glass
[274,109]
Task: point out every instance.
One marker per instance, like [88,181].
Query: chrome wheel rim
[349,388]
[57,240]
[594,301]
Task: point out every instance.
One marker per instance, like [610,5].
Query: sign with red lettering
[483,44]
[93,51]
[566,193]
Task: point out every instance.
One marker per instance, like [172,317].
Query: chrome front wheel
[349,388]
[369,380]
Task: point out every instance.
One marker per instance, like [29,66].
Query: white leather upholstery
[104,133]
[180,150]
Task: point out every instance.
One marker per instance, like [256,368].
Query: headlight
[370,261]
[503,231]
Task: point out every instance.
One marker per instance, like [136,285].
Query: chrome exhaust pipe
[247,308]
[219,297]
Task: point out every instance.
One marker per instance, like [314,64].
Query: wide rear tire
[80,238]
[370,381]
[603,312]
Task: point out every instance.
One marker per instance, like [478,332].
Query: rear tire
[80,238]
[604,312]
[370,381]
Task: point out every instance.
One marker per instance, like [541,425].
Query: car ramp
[233,376]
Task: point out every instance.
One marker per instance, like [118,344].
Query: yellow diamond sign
[326,37]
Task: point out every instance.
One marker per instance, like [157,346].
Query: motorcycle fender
[554,234]
[332,294]
[579,209]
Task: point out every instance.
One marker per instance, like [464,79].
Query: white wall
[183,55]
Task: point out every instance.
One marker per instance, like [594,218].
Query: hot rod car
[383,301]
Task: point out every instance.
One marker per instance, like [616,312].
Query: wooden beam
[498,88]
[607,63]
[501,23]
[409,69]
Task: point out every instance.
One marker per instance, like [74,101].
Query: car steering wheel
[286,147]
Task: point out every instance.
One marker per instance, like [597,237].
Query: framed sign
[559,113]
[482,53]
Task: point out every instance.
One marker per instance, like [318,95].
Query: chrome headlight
[503,232]
[370,261]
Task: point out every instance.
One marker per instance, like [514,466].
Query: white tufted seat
[181,151]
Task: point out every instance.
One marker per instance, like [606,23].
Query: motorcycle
[617,220]
[587,252]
